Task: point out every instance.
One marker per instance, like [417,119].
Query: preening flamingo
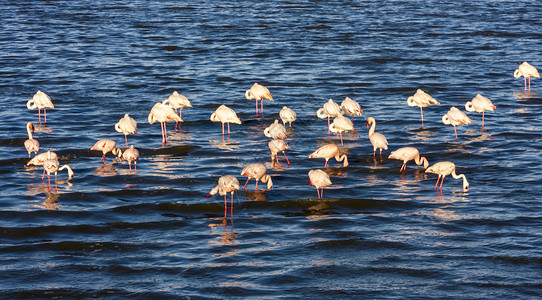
[163,113]
[319,179]
[455,117]
[277,146]
[225,114]
[328,151]
[406,154]
[341,124]
[226,184]
[275,131]
[39,101]
[131,155]
[421,99]
[31,144]
[105,146]
[258,92]
[177,102]
[480,104]
[127,125]
[378,140]
[444,168]
[53,166]
[350,107]
[329,110]
[527,71]
[258,172]
[287,115]
[40,158]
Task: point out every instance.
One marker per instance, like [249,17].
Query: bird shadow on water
[520,95]
[105,170]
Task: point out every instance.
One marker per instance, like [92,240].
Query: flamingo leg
[256,185]
[341,134]
[39,113]
[256,107]
[225,207]
[483,119]
[326,164]
[180,116]
[130,165]
[318,192]
[421,112]
[126,140]
[321,192]
[43,176]
[441,182]
[261,111]
[231,208]
[529,84]
[228,130]
[286,159]
[56,187]
[103,158]
[246,183]
[45,110]
[436,184]
[48,182]
[328,132]
[222,131]
[455,133]
[403,167]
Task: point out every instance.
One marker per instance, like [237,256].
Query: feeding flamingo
[127,125]
[378,140]
[406,154]
[350,107]
[444,168]
[225,114]
[527,71]
[40,158]
[341,124]
[163,113]
[328,151]
[258,172]
[421,99]
[480,104]
[275,131]
[277,146]
[287,115]
[455,117]
[53,166]
[40,100]
[31,144]
[329,110]
[131,155]
[105,146]
[319,179]
[226,184]
[177,102]
[258,92]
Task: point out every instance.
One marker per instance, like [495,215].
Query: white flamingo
[444,168]
[163,113]
[329,110]
[40,100]
[455,117]
[225,114]
[177,102]
[409,153]
[277,146]
[287,115]
[275,131]
[350,107]
[480,104]
[226,184]
[40,158]
[258,172]
[53,166]
[378,140]
[328,151]
[258,92]
[106,146]
[319,179]
[527,71]
[341,124]
[131,155]
[421,99]
[31,144]
[127,125]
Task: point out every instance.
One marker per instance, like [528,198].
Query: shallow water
[110,232]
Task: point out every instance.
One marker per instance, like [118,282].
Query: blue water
[109,233]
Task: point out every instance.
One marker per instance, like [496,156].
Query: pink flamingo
[406,154]
[341,124]
[455,117]
[277,146]
[163,113]
[258,92]
[40,158]
[378,140]
[287,115]
[53,166]
[39,101]
[421,99]
[226,184]
[225,114]
[131,155]
[350,107]
[275,131]
[329,110]
[444,168]
[480,104]
[258,172]
[527,71]
[127,125]
[31,144]
[328,151]
[177,102]
[105,146]
[319,179]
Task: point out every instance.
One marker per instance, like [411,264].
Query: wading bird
[40,158]
[226,184]
[39,101]
[31,144]
[53,166]
[406,154]
[444,168]
[287,115]
[319,179]
[105,146]
[480,104]
[131,155]
[421,99]
[341,124]
[177,102]
[455,117]
[277,146]
[126,125]
[328,151]
[225,114]
[258,92]
[527,71]
[350,107]
[163,113]
[378,140]
[329,110]
[258,172]
[275,131]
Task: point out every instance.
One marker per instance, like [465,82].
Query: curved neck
[31,104]
[421,160]
[445,120]
[343,158]
[29,130]
[70,172]
[410,101]
[321,114]
[469,107]
[465,182]
[372,130]
[517,73]
[249,95]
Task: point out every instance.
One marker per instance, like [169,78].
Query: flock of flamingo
[171,110]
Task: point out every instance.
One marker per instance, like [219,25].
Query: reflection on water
[50,202]
[225,145]
[423,134]
[225,237]
[105,170]
[256,195]
[317,212]
[524,94]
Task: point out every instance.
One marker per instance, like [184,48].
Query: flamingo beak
[208,196]
[310,183]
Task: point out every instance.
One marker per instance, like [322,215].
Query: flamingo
[377,139]
[480,104]
[31,144]
[126,125]
[105,146]
[328,151]
[163,113]
[225,114]
[409,153]
[421,99]
[258,92]
[39,101]
[287,115]
[350,107]
[329,110]
[527,71]
[131,155]
[319,179]
[275,130]
[455,117]
[444,168]
[340,124]
[177,101]
[258,172]
[226,184]
[53,166]
[277,146]
[40,158]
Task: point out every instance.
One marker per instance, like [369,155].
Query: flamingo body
[52,165]
[406,154]
[351,108]
[480,104]
[258,92]
[106,146]
[377,139]
[329,110]
[421,99]
[327,152]
[40,100]
[177,102]
[319,179]
[444,168]
[31,144]
[455,117]
[258,172]
[127,125]
[341,124]
[131,155]
[527,71]
[277,146]
[226,184]
[225,114]
[287,115]
[275,131]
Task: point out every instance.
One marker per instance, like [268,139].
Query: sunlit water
[110,232]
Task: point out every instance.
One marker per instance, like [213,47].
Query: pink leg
[43,176]
[225,207]
[130,165]
[256,107]
[321,193]
[403,167]
[222,131]
[328,132]
[228,130]
[181,116]
[231,208]
[39,113]
[455,133]
[48,182]
[45,110]
[246,183]
[318,193]
[56,187]
[126,140]
[261,111]
[286,158]
[103,158]
[341,138]
[326,164]
[256,185]
[421,112]
[135,165]
[441,182]
[436,184]
[525,82]
[483,120]
[529,86]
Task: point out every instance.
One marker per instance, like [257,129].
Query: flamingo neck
[249,95]
[29,130]
[410,101]
[465,182]
[372,130]
[421,160]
